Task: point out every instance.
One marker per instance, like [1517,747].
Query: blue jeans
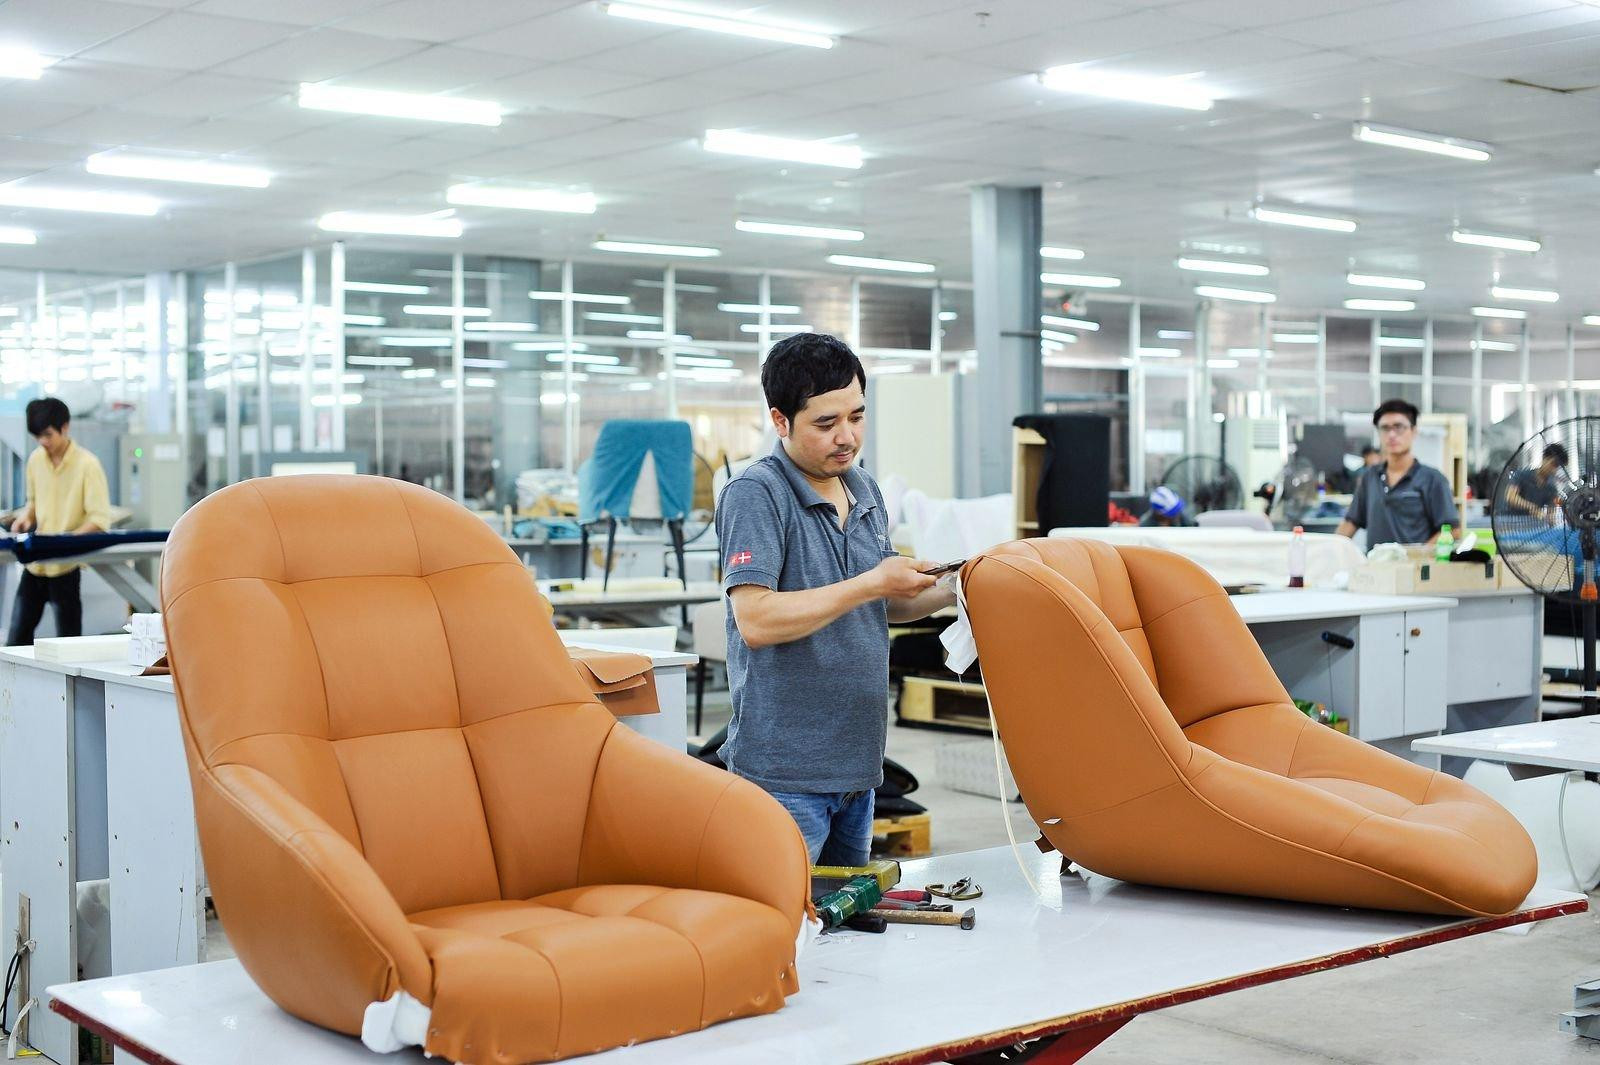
[837,825]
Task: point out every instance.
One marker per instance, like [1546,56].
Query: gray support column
[569,411]
[1427,366]
[1524,371]
[308,348]
[1137,414]
[336,297]
[458,354]
[231,442]
[1570,404]
[1477,392]
[1007,229]
[1375,362]
[1206,438]
[161,394]
[669,329]
[1322,368]
[515,427]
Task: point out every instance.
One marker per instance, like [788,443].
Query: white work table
[94,784]
[1560,744]
[1078,963]
[1315,604]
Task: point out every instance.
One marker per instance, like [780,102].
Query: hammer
[960,920]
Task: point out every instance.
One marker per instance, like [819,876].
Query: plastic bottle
[1297,558]
[1442,546]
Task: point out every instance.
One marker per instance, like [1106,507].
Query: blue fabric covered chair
[611,488]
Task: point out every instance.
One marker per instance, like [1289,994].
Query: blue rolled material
[606,482]
[46,547]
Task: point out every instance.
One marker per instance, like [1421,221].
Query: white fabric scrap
[960,646]
[397,1022]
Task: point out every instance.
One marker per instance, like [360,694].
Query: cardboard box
[1427,577]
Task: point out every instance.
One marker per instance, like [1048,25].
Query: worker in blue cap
[1166,510]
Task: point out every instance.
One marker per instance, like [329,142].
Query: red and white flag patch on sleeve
[740,558]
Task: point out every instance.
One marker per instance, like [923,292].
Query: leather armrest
[309,918]
[662,818]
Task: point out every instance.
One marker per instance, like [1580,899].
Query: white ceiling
[940,95]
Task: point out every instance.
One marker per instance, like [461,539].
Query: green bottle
[1442,546]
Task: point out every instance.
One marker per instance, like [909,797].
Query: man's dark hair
[47,413]
[1370,449]
[807,365]
[1557,452]
[1395,406]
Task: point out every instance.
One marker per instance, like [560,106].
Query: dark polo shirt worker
[813,584]
[1399,500]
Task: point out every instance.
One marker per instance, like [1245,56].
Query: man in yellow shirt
[67,493]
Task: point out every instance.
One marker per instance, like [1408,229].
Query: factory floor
[1496,997]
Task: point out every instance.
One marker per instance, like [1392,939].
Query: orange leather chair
[407,795]
[1153,743]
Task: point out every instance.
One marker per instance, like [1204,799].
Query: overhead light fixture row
[1050,251]
[194,171]
[1494,240]
[761,146]
[581,297]
[17,235]
[1527,295]
[521,199]
[758,308]
[1379,305]
[1499,312]
[1403,284]
[92,201]
[1494,345]
[1222,266]
[1293,216]
[386,287]
[23,63]
[384,103]
[1591,319]
[1238,295]
[1081,280]
[866,262]
[1064,322]
[1418,141]
[1114,85]
[793,229]
[675,251]
[690,18]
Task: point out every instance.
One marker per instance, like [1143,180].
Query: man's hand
[22,524]
[899,577]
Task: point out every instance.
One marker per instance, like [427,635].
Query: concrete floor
[1489,998]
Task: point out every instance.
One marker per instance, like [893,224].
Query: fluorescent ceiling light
[487,364]
[1081,280]
[17,235]
[1294,338]
[948,316]
[426,371]
[1241,295]
[757,308]
[1380,305]
[626,319]
[1588,319]
[657,334]
[1402,284]
[1494,240]
[786,229]
[674,15]
[1063,322]
[1093,81]
[1494,345]
[1528,295]
[702,361]
[1048,252]
[1499,312]
[777,327]
[378,360]
[1058,337]
[575,356]
[521,199]
[363,319]
[22,63]
[1400,342]
[822,153]
[384,286]
[863,262]
[548,345]
[393,224]
[1223,266]
[415,342]
[680,286]
[1249,353]
[324,97]
[1174,334]
[1282,216]
[500,327]
[1161,353]
[635,247]
[484,382]
[195,171]
[1222,364]
[454,312]
[582,297]
[1417,141]
[78,200]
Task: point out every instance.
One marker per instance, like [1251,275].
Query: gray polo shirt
[809,715]
[1409,512]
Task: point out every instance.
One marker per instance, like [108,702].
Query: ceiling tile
[318,55]
[181,41]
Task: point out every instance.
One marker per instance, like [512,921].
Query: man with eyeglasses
[1399,500]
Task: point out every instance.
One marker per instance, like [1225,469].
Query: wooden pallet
[910,836]
[935,702]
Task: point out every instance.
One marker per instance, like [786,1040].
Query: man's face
[826,434]
[1396,434]
[53,440]
[1548,468]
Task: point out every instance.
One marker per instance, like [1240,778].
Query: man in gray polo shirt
[813,583]
[1399,500]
